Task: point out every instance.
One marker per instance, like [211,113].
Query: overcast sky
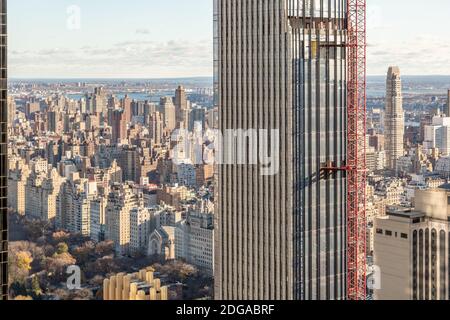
[173,38]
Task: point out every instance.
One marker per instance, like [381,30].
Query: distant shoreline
[369,77]
[111,79]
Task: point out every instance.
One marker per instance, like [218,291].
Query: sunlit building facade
[394,119]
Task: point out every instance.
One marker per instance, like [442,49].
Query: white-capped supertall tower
[394,118]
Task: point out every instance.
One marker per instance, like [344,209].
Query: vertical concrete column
[149,277]
[157,284]
[164,293]
[133,291]
[142,274]
[141,296]
[152,294]
[106,289]
[119,286]
[126,288]
[112,288]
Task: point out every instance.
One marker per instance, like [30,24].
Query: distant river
[138,96]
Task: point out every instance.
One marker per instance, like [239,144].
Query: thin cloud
[143,31]
[420,54]
[132,58]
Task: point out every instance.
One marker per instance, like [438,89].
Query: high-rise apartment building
[447,108]
[394,118]
[73,205]
[168,109]
[156,127]
[181,99]
[181,105]
[194,239]
[118,126]
[128,160]
[125,103]
[140,229]
[12,109]
[100,102]
[16,186]
[121,201]
[437,135]
[3,155]
[197,116]
[411,249]
[98,218]
[31,108]
[281,65]
[41,193]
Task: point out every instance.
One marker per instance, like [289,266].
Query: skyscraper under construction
[3,156]
[281,65]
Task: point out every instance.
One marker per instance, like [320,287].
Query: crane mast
[356,150]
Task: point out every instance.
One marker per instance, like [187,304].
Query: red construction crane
[356,150]
[355,166]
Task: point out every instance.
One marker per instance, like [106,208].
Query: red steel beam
[356,150]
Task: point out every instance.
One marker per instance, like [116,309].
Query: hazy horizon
[193,77]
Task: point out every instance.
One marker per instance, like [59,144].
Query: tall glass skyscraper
[3,155]
[281,64]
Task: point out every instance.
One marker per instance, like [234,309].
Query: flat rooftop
[445,187]
[402,212]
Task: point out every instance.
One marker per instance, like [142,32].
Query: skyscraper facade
[169,111]
[156,127]
[447,108]
[126,106]
[394,126]
[3,155]
[118,125]
[181,98]
[181,104]
[281,65]
[411,248]
[121,201]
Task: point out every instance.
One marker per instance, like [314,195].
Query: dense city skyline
[149,43]
[224,150]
